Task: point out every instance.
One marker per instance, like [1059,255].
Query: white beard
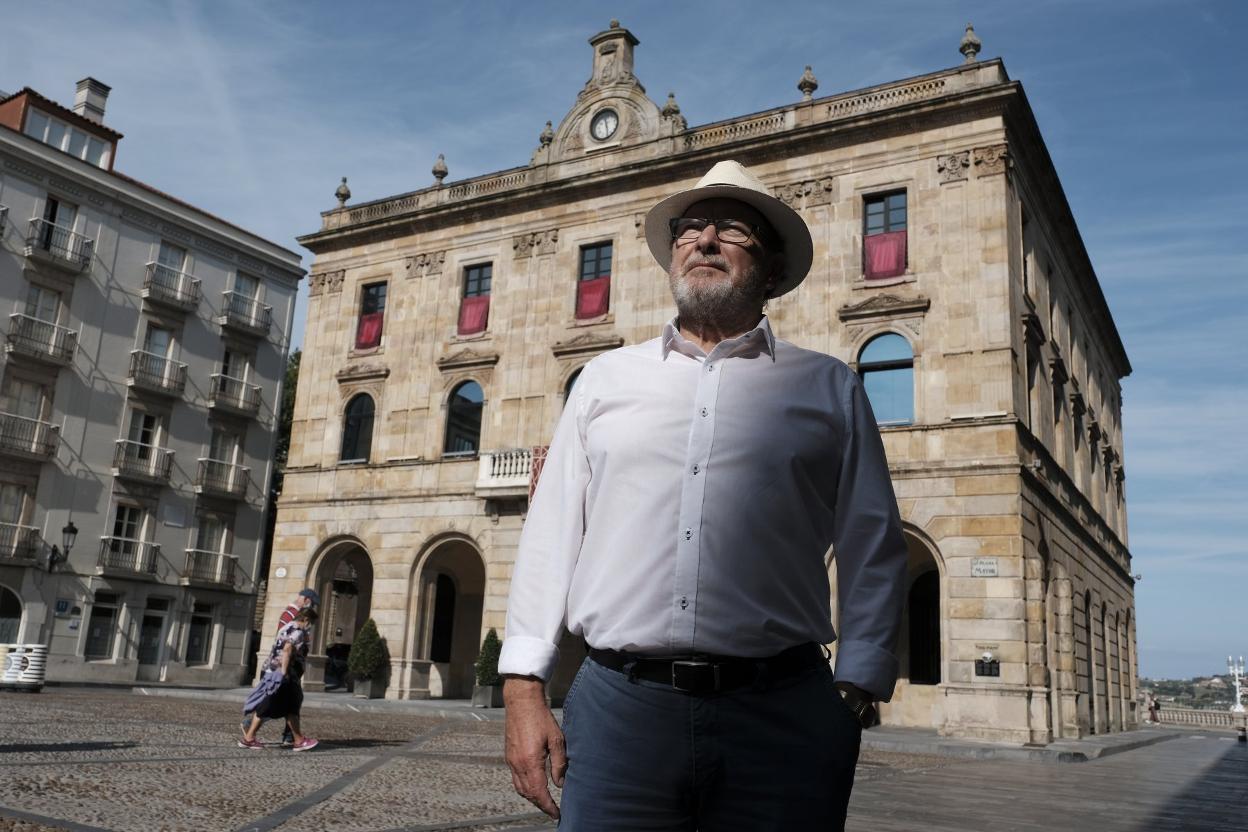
[718,302]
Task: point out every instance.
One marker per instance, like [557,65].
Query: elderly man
[694,485]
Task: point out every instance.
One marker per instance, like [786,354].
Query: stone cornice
[466,359]
[585,344]
[353,373]
[884,306]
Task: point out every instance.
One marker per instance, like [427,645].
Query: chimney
[90,99]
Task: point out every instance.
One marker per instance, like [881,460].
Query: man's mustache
[716,261]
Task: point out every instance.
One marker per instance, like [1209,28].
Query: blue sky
[253,110]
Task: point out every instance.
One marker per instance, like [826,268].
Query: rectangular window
[23,398]
[236,364]
[102,628]
[372,314]
[593,289]
[211,534]
[12,503]
[36,125]
[246,286]
[128,522]
[474,309]
[884,235]
[199,641]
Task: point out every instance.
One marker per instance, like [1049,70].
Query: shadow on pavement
[361,743]
[31,748]
[1213,802]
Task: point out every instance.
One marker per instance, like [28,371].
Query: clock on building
[604,125]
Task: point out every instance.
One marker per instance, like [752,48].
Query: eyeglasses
[686,230]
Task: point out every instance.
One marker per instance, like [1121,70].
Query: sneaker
[254,745]
[305,744]
[288,739]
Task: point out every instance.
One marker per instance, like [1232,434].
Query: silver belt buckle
[692,664]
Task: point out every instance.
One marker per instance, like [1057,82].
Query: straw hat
[730,180]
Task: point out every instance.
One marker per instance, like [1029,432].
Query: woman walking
[279,694]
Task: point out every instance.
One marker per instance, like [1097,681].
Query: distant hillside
[1212,692]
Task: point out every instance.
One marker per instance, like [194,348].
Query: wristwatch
[861,707]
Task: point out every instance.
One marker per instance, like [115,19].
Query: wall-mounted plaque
[983,567]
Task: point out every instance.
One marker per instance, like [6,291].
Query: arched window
[886,365]
[463,419]
[357,429]
[924,608]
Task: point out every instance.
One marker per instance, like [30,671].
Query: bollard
[1243,733]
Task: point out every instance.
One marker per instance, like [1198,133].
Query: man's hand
[532,735]
[859,701]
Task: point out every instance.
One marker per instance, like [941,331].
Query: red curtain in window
[885,254]
[593,297]
[368,333]
[474,314]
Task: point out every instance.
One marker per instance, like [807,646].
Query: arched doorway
[447,609]
[344,579]
[10,616]
[918,699]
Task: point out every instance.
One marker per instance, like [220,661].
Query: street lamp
[1237,674]
[69,534]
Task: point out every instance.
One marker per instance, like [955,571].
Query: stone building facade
[447,324]
[144,345]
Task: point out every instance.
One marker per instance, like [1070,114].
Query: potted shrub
[488,692]
[368,662]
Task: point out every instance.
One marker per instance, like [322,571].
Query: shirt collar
[760,337]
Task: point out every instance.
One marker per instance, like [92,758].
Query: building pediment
[586,343]
[366,371]
[884,306]
[467,359]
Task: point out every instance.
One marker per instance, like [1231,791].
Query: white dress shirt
[687,504]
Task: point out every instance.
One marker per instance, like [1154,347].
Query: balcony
[27,438]
[156,374]
[136,461]
[124,555]
[245,315]
[40,340]
[57,246]
[210,568]
[19,543]
[222,479]
[504,474]
[233,395]
[170,288]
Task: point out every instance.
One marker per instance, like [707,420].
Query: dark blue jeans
[643,757]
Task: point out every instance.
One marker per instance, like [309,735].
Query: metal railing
[209,567]
[246,313]
[39,339]
[19,542]
[222,478]
[28,437]
[170,286]
[157,373]
[60,243]
[234,394]
[149,462]
[128,554]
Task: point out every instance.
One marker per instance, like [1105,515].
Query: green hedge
[369,657]
[487,660]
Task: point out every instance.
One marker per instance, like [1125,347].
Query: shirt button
[704,412]
[696,468]
[688,534]
[710,368]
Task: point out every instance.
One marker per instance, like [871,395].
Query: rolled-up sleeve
[870,553]
[549,546]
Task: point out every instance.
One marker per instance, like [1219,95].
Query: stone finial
[343,193]
[547,136]
[808,84]
[970,45]
[439,169]
[671,108]
[615,24]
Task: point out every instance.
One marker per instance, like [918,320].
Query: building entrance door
[152,640]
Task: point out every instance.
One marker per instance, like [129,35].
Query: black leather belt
[711,674]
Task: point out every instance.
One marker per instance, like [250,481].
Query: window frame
[883,198]
[449,435]
[347,416]
[371,305]
[882,366]
[488,279]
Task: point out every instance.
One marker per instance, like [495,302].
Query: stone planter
[369,688]
[490,696]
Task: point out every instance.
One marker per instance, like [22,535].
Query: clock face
[604,124]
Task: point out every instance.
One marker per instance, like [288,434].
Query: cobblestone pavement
[99,759]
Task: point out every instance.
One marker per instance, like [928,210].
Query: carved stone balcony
[233,395]
[170,288]
[148,463]
[209,568]
[504,474]
[245,315]
[27,438]
[39,340]
[59,247]
[20,544]
[122,555]
[222,479]
[153,373]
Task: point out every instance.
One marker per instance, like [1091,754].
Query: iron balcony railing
[58,245]
[28,438]
[223,479]
[234,394]
[156,373]
[170,287]
[128,555]
[41,340]
[246,314]
[139,461]
[209,567]
[19,542]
